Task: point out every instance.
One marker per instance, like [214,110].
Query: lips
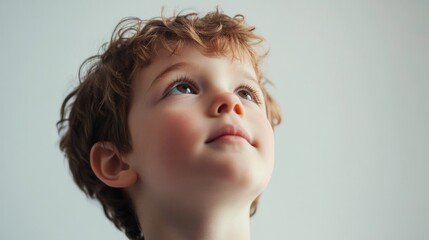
[229,130]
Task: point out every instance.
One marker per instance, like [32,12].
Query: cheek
[265,135]
[177,136]
[268,136]
[263,132]
[170,141]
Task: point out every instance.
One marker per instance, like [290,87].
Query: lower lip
[230,139]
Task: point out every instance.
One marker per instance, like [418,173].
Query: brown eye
[248,93]
[181,88]
[245,95]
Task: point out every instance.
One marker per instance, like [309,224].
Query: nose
[226,102]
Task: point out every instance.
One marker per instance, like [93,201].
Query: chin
[240,176]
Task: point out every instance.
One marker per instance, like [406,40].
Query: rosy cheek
[172,140]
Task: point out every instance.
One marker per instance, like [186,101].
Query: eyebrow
[171,68]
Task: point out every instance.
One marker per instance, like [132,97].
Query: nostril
[222,108]
[238,109]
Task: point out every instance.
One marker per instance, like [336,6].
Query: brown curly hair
[97,109]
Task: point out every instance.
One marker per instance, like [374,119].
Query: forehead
[193,59]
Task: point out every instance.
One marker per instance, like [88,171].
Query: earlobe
[109,167]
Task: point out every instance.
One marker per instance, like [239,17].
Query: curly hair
[97,109]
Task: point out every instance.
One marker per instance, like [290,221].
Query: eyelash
[252,91]
[184,79]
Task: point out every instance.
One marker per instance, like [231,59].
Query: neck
[165,223]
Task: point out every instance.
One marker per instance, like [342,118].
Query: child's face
[199,129]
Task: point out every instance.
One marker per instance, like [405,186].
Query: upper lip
[232,130]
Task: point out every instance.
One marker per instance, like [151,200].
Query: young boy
[171,128]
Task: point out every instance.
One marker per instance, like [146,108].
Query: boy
[171,128]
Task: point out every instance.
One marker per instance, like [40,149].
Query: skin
[189,175]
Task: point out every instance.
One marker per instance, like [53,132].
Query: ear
[109,167]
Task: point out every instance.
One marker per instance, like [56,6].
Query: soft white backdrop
[352,79]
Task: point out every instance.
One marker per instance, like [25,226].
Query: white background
[352,155]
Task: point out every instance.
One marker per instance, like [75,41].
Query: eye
[181,86]
[248,93]
[245,94]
